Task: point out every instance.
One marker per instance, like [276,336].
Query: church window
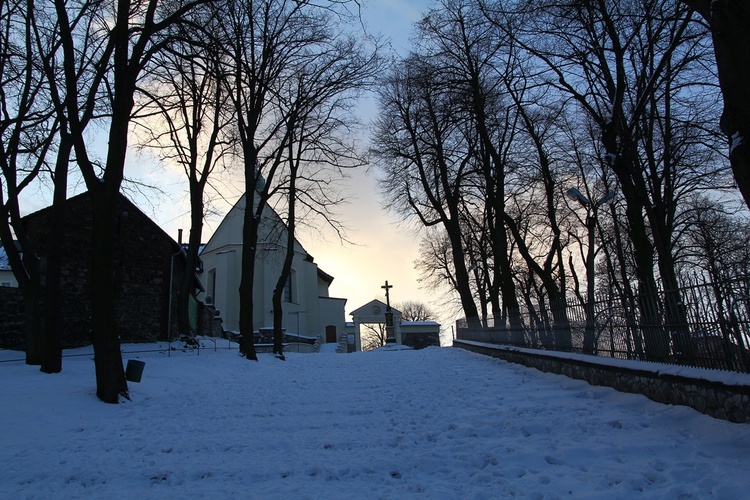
[290,291]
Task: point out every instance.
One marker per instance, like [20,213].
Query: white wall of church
[332,313]
[222,259]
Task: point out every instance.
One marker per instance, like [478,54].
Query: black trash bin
[134,370]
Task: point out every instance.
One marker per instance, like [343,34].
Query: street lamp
[591,209]
[575,195]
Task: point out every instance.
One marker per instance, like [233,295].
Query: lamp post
[591,210]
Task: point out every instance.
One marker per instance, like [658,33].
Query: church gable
[373,312]
[229,232]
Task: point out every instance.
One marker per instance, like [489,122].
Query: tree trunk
[656,345]
[625,292]
[619,147]
[249,253]
[26,270]
[110,375]
[32,296]
[191,263]
[729,21]
[278,292]
[52,343]
[507,285]
[462,275]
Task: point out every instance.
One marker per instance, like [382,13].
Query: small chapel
[414,334]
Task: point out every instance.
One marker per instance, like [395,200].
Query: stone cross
[389,328]
[387,288]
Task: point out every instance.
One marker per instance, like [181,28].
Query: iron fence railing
[166,348]
[703,325]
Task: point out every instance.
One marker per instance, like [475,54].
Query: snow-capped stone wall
[723,395]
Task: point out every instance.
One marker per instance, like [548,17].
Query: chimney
[179,237]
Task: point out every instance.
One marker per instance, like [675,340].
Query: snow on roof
[4,262]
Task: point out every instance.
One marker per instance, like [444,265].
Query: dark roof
[325,276]
[129,205]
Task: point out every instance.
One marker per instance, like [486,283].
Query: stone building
[149,265]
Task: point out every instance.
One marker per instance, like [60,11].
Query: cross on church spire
[387,288]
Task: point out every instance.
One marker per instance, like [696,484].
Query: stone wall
[420,340]
[11,319]
[146,264]
[715,398]
[264,336]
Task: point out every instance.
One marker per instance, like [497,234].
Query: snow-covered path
[435,423]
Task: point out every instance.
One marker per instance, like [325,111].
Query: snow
[718,376]
[434,423]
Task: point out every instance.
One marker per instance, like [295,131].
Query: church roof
[233,221]
[325,276]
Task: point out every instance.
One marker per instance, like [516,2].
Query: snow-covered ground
[435,423]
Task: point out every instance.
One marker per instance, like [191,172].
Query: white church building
[309,311]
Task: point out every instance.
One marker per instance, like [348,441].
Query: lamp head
[610,196]
[575,195]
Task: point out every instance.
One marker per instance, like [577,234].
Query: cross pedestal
[390,331]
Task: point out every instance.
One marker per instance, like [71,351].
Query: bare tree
[728,21]
[373,336]
[105,49]
[630,52]
[268,44]
[27,135]
[426,161]
[714,241]
[318,109]
[472,56]
[541,245]
[185,117]
[413,310]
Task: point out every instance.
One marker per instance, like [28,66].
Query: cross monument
[390,333]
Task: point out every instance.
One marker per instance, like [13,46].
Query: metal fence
[704,325]
[162,348]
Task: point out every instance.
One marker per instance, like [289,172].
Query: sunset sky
[385,250]
[381,248]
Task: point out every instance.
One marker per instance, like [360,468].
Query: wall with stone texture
[420,340]
[143,272]
[717,399]
[11,319]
